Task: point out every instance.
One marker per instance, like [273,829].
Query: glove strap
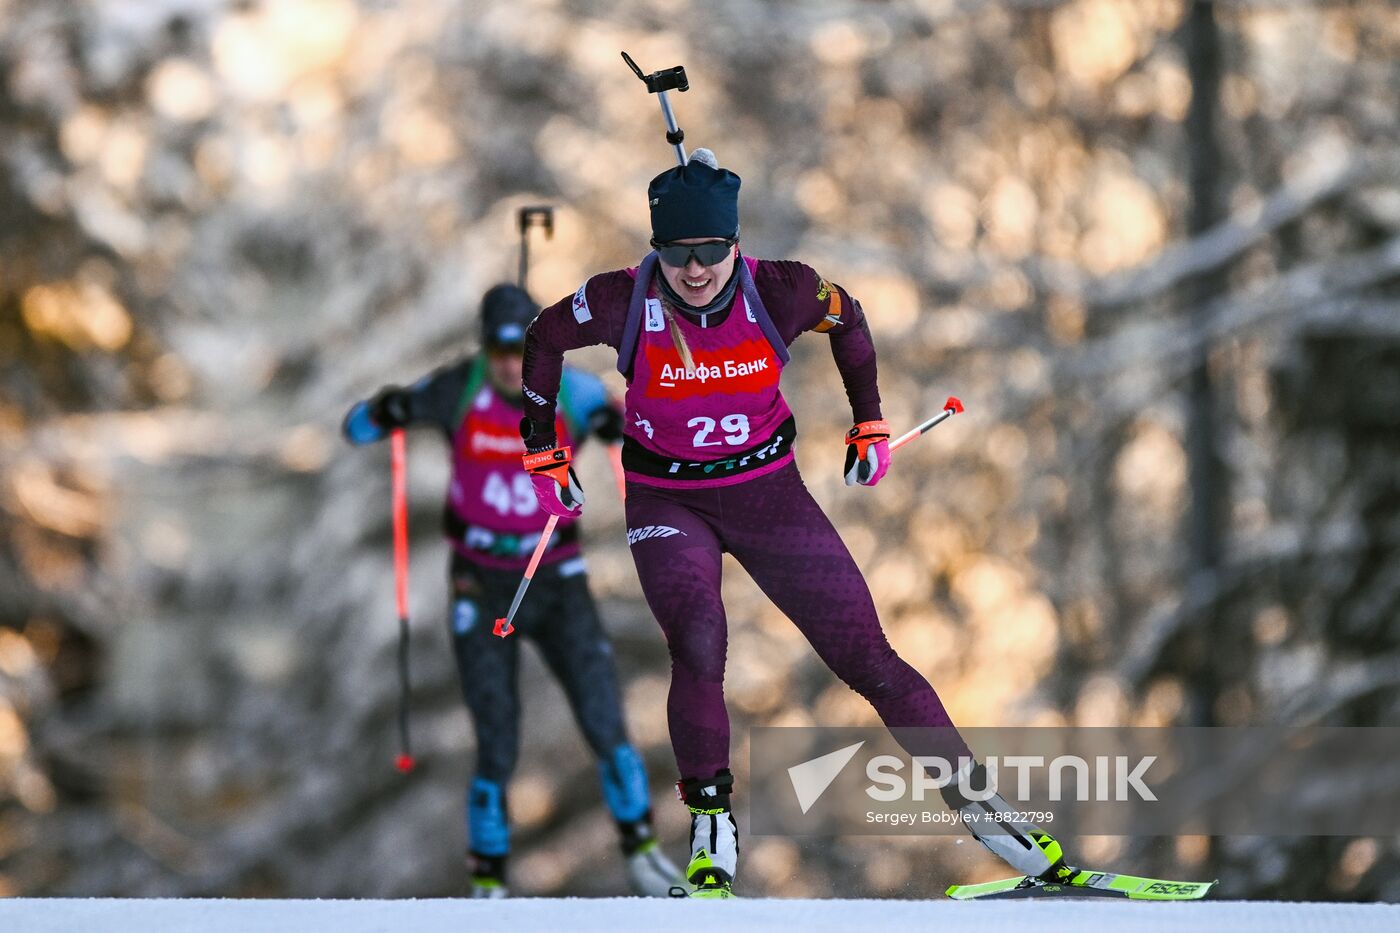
[867,433]
[553,463]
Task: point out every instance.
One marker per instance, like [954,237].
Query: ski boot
[625,790]
[714,837]
[652,874]
[488,876]
[488,837]
[708,881]
[1020,843]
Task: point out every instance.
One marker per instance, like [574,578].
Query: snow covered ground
[605,915]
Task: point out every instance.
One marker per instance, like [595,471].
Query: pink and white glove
[556,485]
[867,452]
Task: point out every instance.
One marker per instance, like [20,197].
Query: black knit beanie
[697,199]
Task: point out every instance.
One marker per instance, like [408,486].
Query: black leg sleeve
[488,667]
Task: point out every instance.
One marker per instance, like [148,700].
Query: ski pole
[400,506]
[529,217]
[950,408]
[658,83]
[505,624]
[532,217]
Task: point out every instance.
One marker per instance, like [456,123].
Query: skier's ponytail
[678,339]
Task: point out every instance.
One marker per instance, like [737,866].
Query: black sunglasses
[678,255]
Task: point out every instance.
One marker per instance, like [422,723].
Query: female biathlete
[702,333]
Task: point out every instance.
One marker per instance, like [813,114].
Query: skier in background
[702,333]
[493,522]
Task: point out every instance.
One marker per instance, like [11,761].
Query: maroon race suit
[709,470]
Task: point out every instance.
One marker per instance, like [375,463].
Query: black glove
[606,423]
[390,408]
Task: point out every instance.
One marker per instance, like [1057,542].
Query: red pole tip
[404,763]
[954,404]
[503,628]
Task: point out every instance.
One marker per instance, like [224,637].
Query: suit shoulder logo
[581,312]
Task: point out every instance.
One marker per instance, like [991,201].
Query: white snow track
[606,915]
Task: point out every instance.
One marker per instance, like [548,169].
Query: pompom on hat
[698,199]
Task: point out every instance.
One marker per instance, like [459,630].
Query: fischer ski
[1085,884]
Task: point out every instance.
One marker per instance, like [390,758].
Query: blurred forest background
[1154,245]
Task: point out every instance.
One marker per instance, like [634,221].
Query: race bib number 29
[735,428]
